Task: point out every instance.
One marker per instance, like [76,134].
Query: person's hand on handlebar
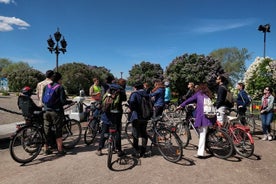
[178,108]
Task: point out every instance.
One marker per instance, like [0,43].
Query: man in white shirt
[40,86]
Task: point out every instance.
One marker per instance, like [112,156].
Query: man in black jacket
[138,123]
[221,98]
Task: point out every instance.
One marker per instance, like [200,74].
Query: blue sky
[117,34]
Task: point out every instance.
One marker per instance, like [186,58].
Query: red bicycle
[242,139]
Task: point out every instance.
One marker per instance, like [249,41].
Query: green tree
[19,78]
[77,76]
[14,67]
[232,61]
[192,68]
[145,72]
[261,73]
[3,64]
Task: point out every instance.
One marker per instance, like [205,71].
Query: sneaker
[121,153]
[136,155]
[264,138]
[269,137]
[61,153]
[48,152]
[99,152]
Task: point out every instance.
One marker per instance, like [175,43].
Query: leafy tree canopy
[4,63]
[232,61]
[192,68]
[77,76]
[14,67]
[145,72]
[24,77]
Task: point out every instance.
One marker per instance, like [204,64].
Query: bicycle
[248,119]
[218,142]
[29,138]
[240,135]
[161,136]
[111,145]
[94,123]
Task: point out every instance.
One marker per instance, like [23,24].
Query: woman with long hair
[201,121]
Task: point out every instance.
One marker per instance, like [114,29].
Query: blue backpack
[50,96]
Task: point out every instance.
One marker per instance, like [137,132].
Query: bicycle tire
[183,132]
[128,132]
[250,121]
[90,133]
[109,155]
[26,144]
[71,133]
[219,143]
[169,144]
[243,143]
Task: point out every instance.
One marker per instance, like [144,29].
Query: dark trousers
[241,113]
[139,130]
[115,118]
[53,119]
[157,111]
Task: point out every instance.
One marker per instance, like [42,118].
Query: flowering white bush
[261,73]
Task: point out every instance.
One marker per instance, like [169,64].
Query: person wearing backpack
[40,86]
[202,119]
[54,99]
[242,101]
[139,123]
[158,98]
[112,112]
[221,98]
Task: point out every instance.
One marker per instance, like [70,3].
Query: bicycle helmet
[27,91]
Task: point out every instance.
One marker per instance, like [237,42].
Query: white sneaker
[264,138]
[269,137]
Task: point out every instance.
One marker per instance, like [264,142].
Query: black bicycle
[94,123]
[163,137]
[27,142]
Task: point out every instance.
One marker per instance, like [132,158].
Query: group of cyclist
[54,113]
[159,95]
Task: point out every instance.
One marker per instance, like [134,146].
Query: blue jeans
[266,121]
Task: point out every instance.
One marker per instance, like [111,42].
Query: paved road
[82,166]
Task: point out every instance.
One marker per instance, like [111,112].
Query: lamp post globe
[265,29]
[54,45]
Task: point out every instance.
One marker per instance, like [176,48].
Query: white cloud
[7,1]
[6,23]
[213,25]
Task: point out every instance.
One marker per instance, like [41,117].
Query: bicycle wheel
[183,132]
[109,155]
[243,143]
[128,132]
[219,143]
[26,144]
[91,132]
[250,121]
[169,144]
[71,133]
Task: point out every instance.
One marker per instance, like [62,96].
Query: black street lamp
[121,74]
[264,29]
[57,48]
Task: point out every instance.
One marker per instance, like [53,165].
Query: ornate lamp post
[264,29]
[52,46]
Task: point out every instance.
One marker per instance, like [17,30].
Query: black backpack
[146,107]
